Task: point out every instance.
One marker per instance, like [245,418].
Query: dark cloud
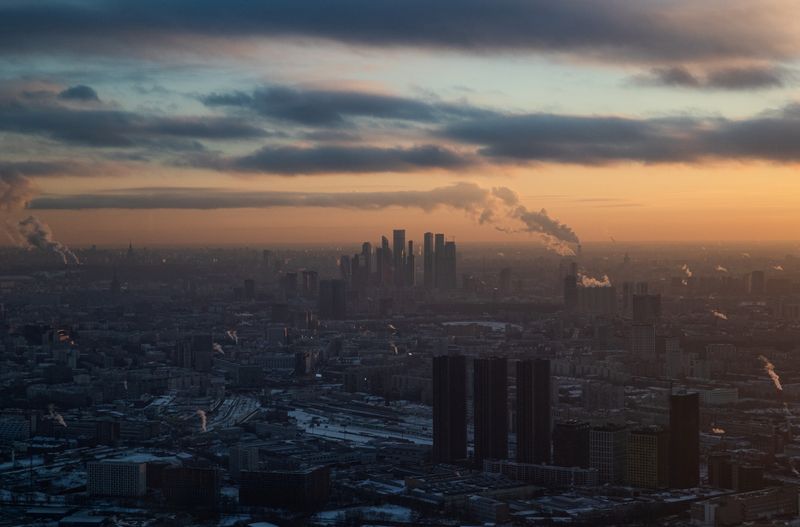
[79,93]
[16,187]
[458,195]
[333,107]
[600,140]
[740,78]
[328,159]
[615,30]
[115,128]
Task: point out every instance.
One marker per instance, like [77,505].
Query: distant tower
[449,408]
[428,257]
[130,256]
[399,256]
[490,409]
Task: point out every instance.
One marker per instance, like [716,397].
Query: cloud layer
[615,30]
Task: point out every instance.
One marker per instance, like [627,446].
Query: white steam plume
[770,369]
[55,416]
[218,348]
[686,270]
[233,335]
[722,269]
[588,281]
[37,234]
[778,267]
[719,314]
[203,419]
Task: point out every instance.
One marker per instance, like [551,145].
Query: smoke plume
[37,234]
[717,431]
[686,270]
[770,369]
[218,348]
[719,314]
[722,269]
[588,281]
[778,267]
[203,420]
[55,416]
[233,336]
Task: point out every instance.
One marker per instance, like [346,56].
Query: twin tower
[490,409]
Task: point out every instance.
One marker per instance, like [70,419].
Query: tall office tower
[648,457]
[355,271]
[755,283]
[450,281]
[646,309]
[608,451]
[266,259]
[399,249]
[490,409]
[438,260]
[628,290]
[310,286]
[684,452]
[379,271]
[571,444]
[533,411]
[366,259]
[386,264]
[332,300]
[449,408]
[345,268]
[410,270]
[643,341]
[428,257]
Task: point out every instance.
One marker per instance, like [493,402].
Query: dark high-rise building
[449,408]
[399,253]
[332,299]
[608,452]
[646,308]
[310,285]
[409,266]
[533,411]
[571,444]
[429,265]
[438,259]
[366,259]
[450,279]
[249,289]
[385,262]
[490,409]
[684,424]
[648,457]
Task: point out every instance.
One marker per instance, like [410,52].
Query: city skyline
[246,124]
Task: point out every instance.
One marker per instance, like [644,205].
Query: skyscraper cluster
[394,264]
[490,409]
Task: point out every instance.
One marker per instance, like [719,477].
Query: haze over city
[396,263]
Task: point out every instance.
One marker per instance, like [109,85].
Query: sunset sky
[257,122]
